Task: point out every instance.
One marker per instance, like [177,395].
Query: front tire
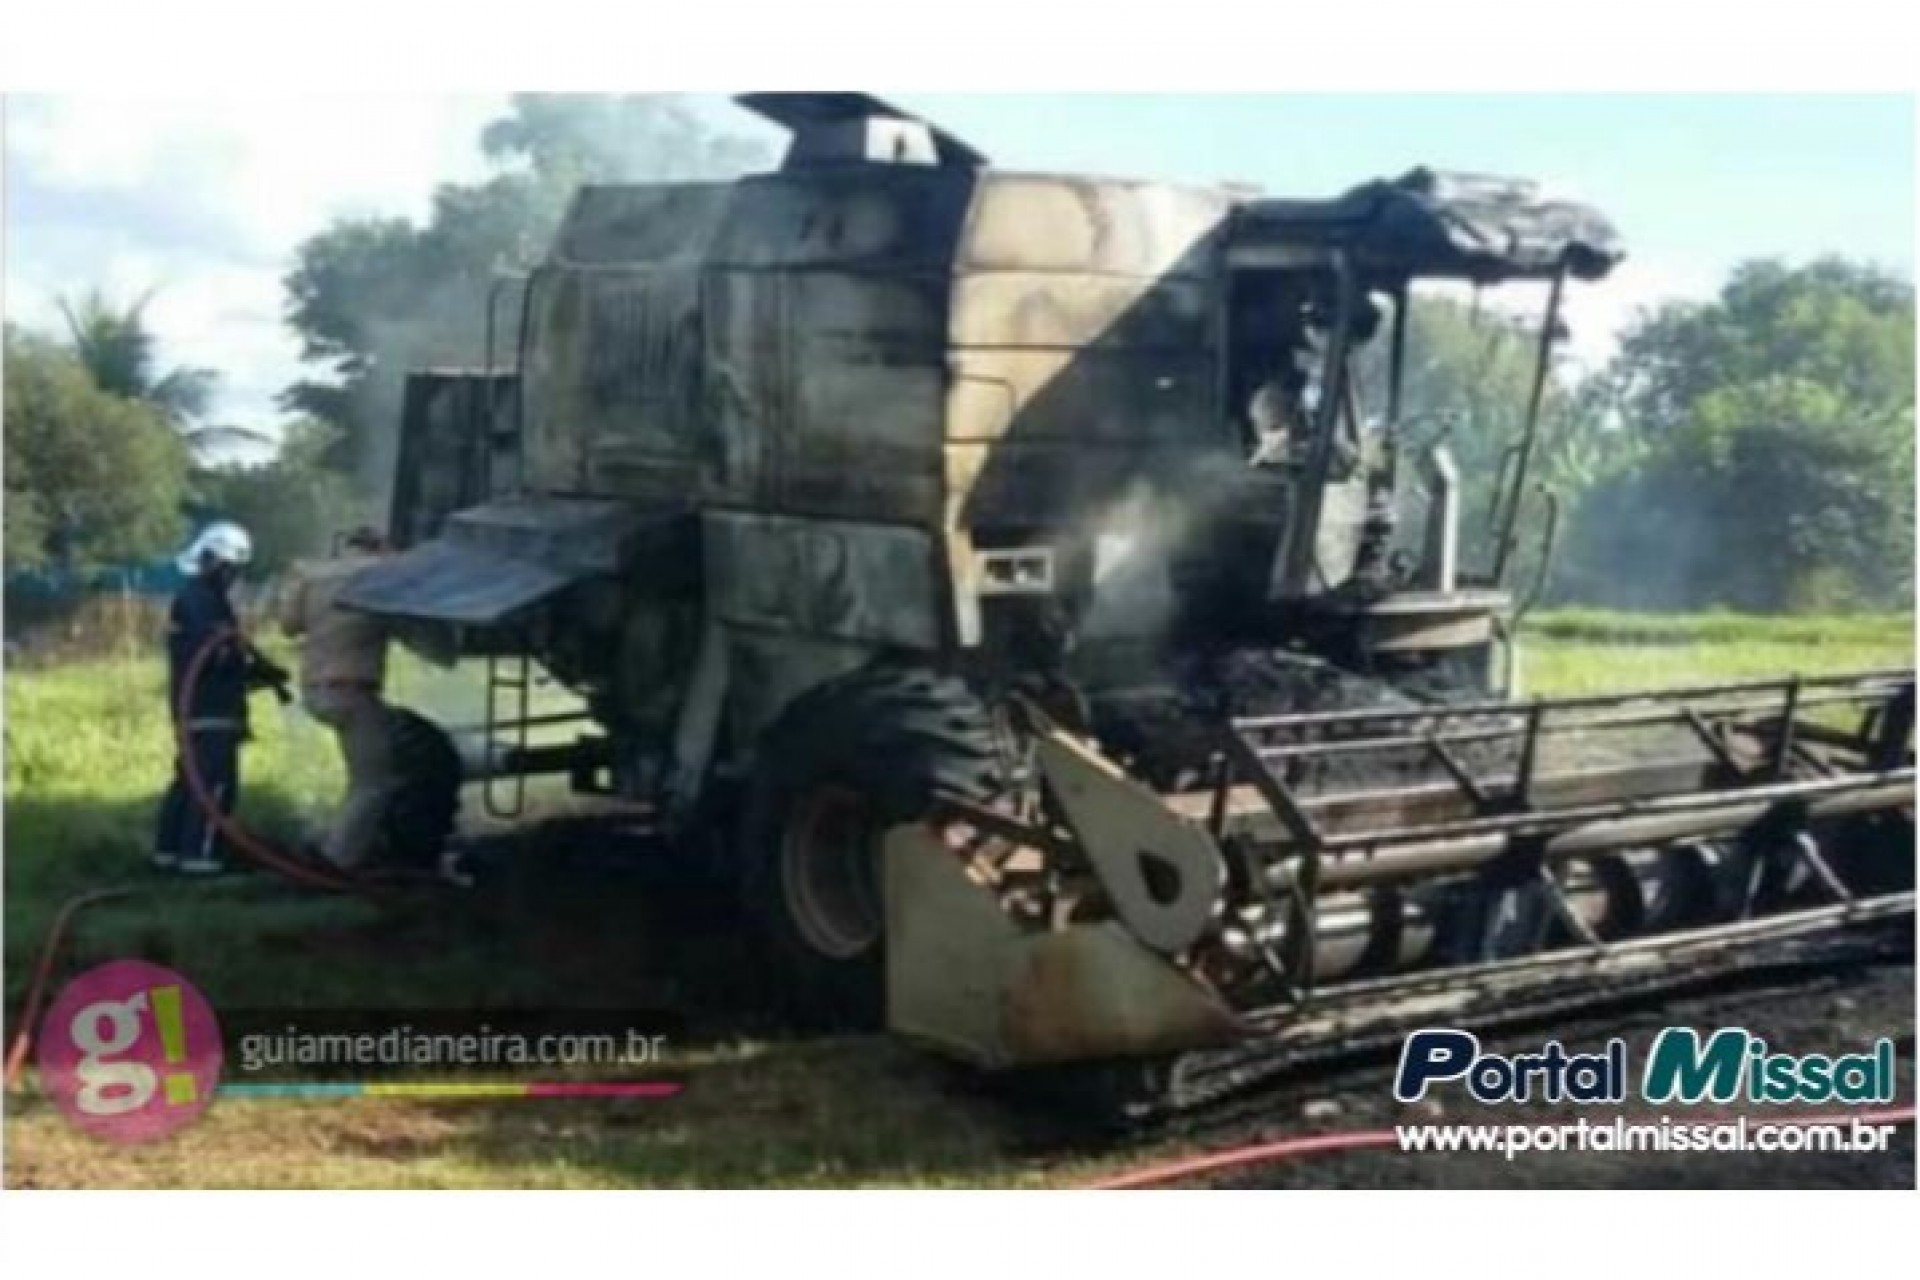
[845,762]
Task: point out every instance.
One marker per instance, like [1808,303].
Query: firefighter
[343,658]
[215,722]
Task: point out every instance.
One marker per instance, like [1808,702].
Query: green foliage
[92,478]
[293,506]
[1468,380]
[372,298]
[567,139]
[119,351]
[117,348]
[1770,436]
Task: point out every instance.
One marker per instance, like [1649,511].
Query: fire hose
[255,848]
[1265,1153]
[43,970]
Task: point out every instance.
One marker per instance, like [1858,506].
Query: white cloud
[268,170]
[205,199]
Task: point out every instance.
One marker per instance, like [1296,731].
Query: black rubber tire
[420,816]
[874,749]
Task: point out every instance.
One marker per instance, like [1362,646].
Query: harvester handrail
[1866,683]
[1515,721]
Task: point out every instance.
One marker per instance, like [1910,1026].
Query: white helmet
[222,542]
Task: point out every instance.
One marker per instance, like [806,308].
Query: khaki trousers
[358,718]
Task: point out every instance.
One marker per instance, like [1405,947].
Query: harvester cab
[1316,297]
[1017,578]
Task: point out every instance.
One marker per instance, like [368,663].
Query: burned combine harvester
[1034,594]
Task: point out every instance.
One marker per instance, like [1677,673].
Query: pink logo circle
[130,1051]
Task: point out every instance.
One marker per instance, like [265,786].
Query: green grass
[87,752]
[1711,630]
[821,1114]
[1585,651]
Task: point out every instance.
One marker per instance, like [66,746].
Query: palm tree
[117,348]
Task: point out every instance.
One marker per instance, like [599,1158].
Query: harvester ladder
[509,690]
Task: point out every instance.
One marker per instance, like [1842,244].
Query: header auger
[1463,862]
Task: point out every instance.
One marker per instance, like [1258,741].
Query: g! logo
[130,1051]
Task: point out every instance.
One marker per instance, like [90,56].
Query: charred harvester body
[1037,593]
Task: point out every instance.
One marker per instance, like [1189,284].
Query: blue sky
[1687,177]
[206,199]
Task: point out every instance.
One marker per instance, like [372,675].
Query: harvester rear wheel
[420,814]
[846,761]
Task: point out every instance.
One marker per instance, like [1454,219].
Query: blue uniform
[216,721]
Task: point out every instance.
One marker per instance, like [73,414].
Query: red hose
[259,851]
[1155,1175]
[255,849]
[43,970]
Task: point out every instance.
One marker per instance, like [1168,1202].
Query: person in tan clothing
[343,662]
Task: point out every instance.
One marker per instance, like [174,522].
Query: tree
[293,506]
[1772,460]
[1468,379]
[371,298]
[567,139]
[118,349]
[92,479]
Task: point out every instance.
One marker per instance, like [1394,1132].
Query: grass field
[86,751]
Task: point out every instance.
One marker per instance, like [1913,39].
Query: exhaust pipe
[1441,566]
